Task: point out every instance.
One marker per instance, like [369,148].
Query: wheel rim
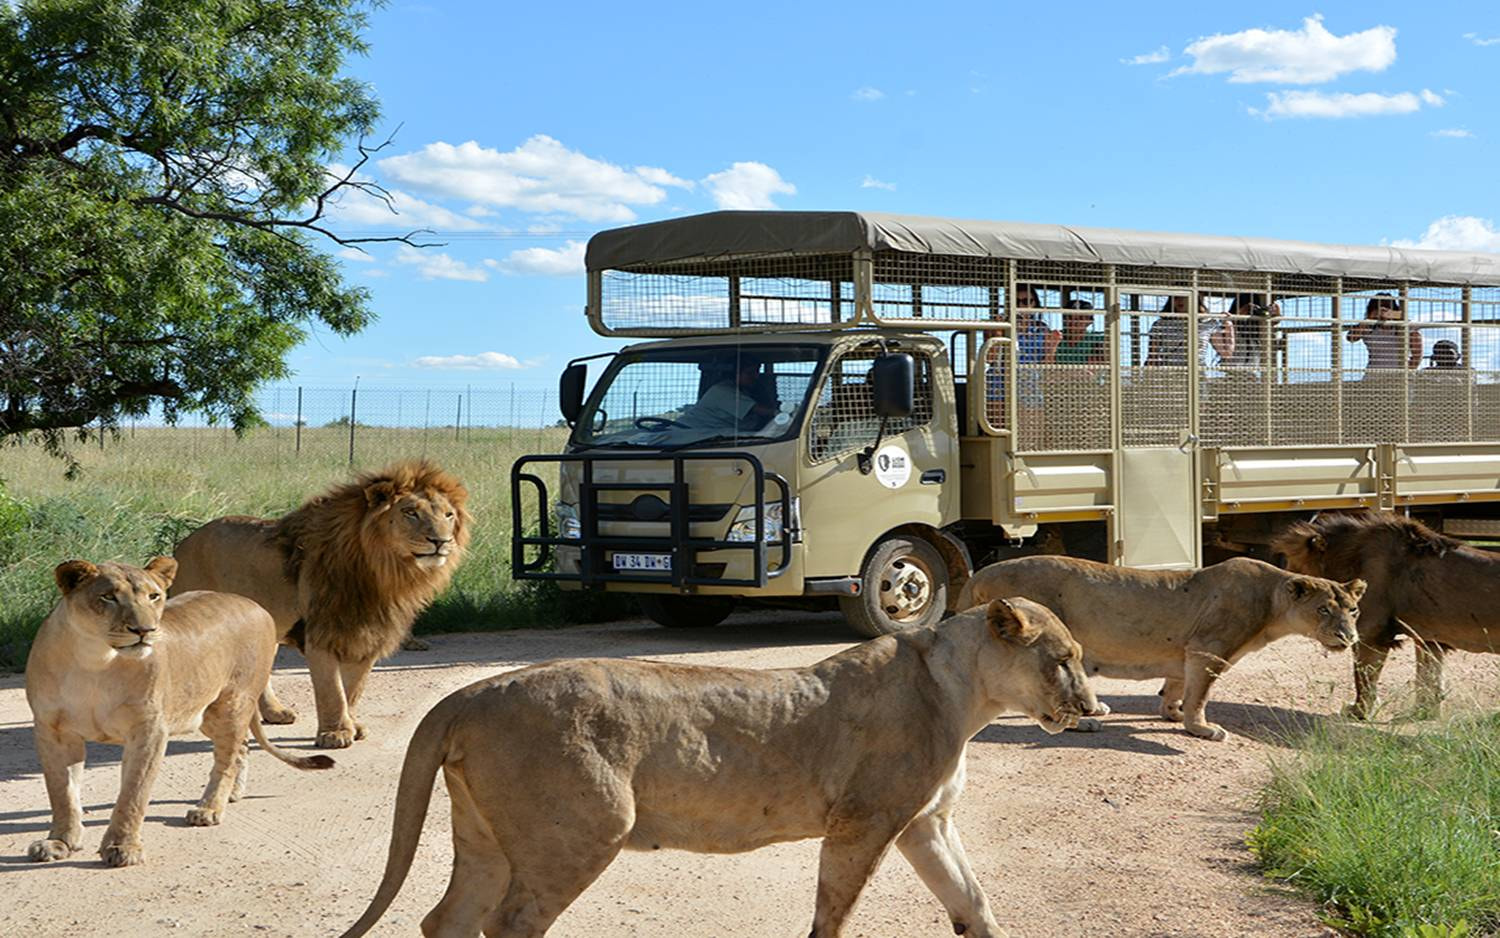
[905,588]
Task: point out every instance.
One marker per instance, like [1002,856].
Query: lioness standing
[1187,626]
[554,769]
[116,662]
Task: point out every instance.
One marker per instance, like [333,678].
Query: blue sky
[525,128]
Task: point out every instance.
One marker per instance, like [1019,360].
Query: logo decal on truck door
[892,466]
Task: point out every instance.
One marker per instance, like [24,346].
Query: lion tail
[296,762]
[425,754]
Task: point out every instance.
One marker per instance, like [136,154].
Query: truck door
[1162,341]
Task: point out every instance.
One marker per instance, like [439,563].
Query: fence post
[353,399]
[512,434]
[298,424]
[469,393]
[458,419]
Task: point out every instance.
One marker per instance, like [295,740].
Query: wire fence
[363,426]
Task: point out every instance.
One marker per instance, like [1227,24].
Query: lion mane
[359,597]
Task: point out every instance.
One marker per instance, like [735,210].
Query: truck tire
[685,612]
[904,585]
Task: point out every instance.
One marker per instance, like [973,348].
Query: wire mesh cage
[779,292]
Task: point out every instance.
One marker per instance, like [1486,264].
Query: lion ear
[1300,586]
[71,574]
[1356,588]
[164,569]
[380,493]
[1010,624]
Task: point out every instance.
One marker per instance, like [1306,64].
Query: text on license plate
[643,561]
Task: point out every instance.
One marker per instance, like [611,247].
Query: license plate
[643,561]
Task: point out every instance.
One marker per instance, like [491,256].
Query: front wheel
[685,612]
[904,585]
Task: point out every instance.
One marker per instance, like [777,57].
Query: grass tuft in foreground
[1397,834]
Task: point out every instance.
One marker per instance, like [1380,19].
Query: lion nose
[142,628]
[439,542]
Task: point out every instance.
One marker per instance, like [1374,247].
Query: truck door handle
[934,477]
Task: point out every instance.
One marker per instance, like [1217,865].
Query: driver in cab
[746,401]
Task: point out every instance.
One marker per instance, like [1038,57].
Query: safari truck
[866,406]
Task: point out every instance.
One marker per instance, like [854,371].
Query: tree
[165,182]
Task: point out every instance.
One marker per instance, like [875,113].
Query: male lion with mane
[1186,626]
[1431,586]
[117,662]
[344,576]
[553,769]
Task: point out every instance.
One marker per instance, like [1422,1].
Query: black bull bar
[594,570]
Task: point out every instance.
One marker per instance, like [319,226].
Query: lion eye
[409,512]
[1324,612]
[449,515]
[107,597]
[154,597]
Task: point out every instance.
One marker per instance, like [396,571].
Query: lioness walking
[1186,626]
[116,662]
[554,769]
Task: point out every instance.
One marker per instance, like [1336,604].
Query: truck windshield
[718,395]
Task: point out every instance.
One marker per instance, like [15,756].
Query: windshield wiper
[713,440]
[625,443]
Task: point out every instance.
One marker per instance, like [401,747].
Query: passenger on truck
[1381,333]
[1168,336]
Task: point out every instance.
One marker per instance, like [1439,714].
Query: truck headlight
[568,525]
[743,528]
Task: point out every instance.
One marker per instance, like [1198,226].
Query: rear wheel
[685,612]
[904,585]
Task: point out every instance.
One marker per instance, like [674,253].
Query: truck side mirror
[894,377]
[570,391]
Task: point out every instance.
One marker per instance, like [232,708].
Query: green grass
[146,490]
[1398,834]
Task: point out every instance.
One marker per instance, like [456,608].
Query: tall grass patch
[144,492]
[1397,833]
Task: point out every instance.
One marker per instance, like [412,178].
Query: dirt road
[1134,831]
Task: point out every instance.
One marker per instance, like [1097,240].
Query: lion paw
[1355,711]
[1211,731]
[412,643]
[359,731]
[43,851]
[278,717]
[334,739]
[1101,709]
[202,817]
[122,854]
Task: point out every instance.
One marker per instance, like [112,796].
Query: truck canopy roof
[653,247]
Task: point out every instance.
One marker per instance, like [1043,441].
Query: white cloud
[1479,40]
[871,182]
[660,177]
[484,361]
[541,175]
[747,185]
[1456,132]
[1149,58]
[867,94]
[565,261]
[1318,104]
[435,266]
[1457,233]
[356,255]
[1308,56]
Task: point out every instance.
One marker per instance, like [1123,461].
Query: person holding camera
[1381,334]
